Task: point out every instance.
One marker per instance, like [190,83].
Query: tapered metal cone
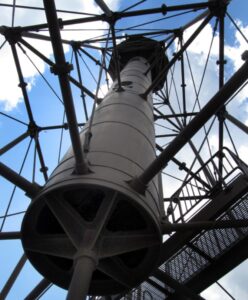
[76,215]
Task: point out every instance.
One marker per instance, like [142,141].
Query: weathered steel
[62,69]
[31,189]
[98,216]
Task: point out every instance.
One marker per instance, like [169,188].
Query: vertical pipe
[62,69]
[183,85]
[81,278]
[81,83]
[221,83]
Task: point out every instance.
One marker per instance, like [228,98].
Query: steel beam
[13,235]
[81,82]
[10,282]
[224,264]
[14,143]
[62,69]
[118,15]
[204,225]
[165,117]
[221,63]
[236,122]
[31,189]
[81,278]
[177,55]
[212,107]
[38,291]
[157,286]
[22,84]
[210,212]
[182,291]
[104,8]
[51,64]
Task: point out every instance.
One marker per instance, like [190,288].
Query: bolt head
[244,55]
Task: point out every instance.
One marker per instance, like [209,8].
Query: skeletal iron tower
[106,222]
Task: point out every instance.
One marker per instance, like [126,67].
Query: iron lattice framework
[203,211]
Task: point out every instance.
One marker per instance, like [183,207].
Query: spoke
[56,245]
[69,219]
[121,243]
[106,208]
[117,271]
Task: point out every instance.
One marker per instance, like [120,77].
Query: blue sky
[48,111]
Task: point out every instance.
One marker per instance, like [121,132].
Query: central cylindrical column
[120,225]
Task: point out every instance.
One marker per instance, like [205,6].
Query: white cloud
[202,42]
[235,51]
[10,94]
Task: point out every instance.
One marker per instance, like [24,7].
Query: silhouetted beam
[40,288]
[211,108]
[10,282]
[118,15]
[236,122]
[31,189]
[164,9]
[182,291]
[165,117]
[182,166]
[186,198]
[13,143]
[62,69]
[207,225]
[104,8]
[13,235]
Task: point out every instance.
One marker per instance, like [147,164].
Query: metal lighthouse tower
[84,228]
[147,197]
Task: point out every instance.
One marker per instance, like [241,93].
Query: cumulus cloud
[10,94]
[197,54]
